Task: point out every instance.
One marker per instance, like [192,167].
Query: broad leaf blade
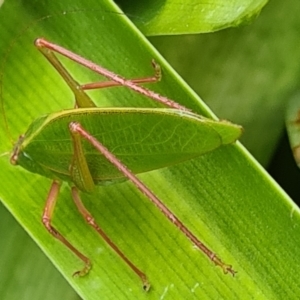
[192,16]
[224,197]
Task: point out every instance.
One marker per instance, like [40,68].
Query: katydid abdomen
[143,139]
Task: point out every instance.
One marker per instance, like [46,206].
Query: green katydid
[88,145]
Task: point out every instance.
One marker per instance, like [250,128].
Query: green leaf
[225,197]
[190,16]
[26,273]
[247,74]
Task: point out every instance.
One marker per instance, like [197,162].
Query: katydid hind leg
[45,47]
[81,97]
[79,169]
[47,218]
[77,128]
[91,221]
[82,179]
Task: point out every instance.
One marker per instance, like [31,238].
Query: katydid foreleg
[46,219]
[76,129]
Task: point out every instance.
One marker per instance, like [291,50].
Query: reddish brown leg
[106,84]
[91,221]
[46,219]
[44,44]
[76,128]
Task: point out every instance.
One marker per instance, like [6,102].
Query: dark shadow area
[284,169]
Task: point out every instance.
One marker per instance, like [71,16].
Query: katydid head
[22,156]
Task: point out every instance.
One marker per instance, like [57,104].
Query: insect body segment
[143,139]
[89,145]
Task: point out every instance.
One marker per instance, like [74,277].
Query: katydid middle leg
[91,221]
[99,85]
